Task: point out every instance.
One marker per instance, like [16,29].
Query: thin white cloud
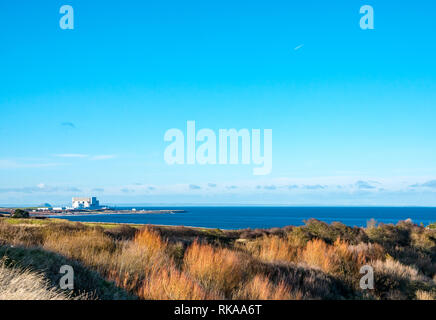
[428,184]
[40,188]
[298,47]
[72,155]
[11,164]
[82,156]
[103,157]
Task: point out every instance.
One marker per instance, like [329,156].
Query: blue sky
[84,111]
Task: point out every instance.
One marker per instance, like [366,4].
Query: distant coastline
[230,218]
[108,211]
[111,212]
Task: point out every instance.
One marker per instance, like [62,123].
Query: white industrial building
[86,203]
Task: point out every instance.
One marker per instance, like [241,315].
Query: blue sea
[264,217]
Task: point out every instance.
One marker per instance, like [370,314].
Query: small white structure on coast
[86,203]
[44,209]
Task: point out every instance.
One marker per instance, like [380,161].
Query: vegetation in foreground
[314,261]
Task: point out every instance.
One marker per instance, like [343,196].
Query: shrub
[336,259]
[399,270]
[348,263]
[122,232]
[151,240]
[252,234]
[216,269]
[171,284]
[19,213]
[329,233]
[394,280]
[133,262]
[423,239]
[272,249]
[388,235]
[412,256]
[310,283]
[368,251]
[318,254]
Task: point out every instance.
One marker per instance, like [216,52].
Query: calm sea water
[265,217]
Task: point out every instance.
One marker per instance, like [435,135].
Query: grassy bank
[314,261]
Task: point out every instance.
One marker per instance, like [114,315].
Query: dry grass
[334,258]
[425,295]
[131,265]
[398,270]
[144,267]
[339,259]
[261,288]
[396,281]
[91,247]
[319,254]
[172,284]
[273,249]
[368,251]
[127,263]
[217,269]
[16,234]
[287,263]
[162,283]
[151,240]
[22,284]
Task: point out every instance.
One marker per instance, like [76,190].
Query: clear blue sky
[352,111]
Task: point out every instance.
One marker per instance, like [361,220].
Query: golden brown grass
[159,263]
[261,288]
[273,249]
[330,258]
[150,239]
[144,267]
[172,284]
[217,269]
[318,254]
[91,247]
[425,295]
[338,259]
[368,251]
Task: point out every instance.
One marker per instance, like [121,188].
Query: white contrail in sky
[298,47]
